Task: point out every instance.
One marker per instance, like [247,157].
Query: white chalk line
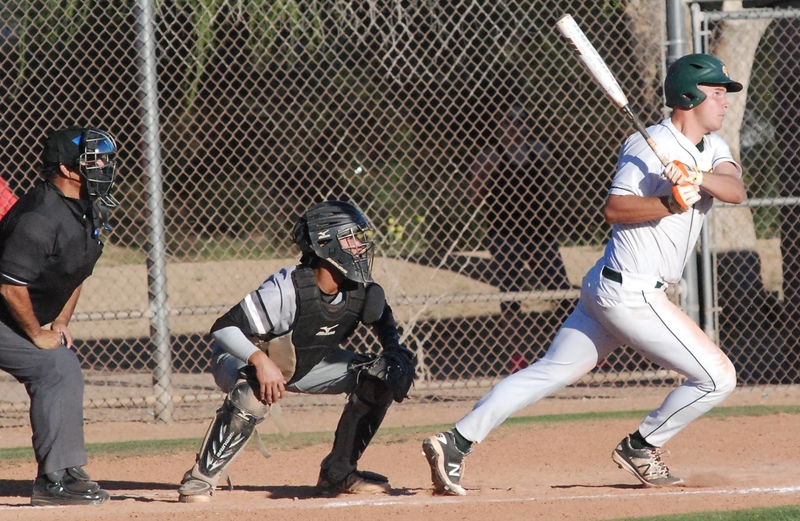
[379,501]
[645,493]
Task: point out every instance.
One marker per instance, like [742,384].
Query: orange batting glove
[677,172]
[683,196]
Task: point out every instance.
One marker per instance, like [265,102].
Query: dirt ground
[537,470]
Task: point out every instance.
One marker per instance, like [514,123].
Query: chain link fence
[754,249]
[467,131]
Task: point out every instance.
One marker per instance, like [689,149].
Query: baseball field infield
[552,463]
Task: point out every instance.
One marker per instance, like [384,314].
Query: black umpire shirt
[48,243]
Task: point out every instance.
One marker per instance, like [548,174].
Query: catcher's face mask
[98,166]
[338,232]
[357,243]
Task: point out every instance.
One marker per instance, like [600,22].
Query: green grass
[787,513]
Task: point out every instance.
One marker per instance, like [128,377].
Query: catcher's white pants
[608,315]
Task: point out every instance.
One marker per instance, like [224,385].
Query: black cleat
[71,486]
[446,462]
[357,482]
[644,464]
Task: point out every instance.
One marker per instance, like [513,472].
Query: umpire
[49,244]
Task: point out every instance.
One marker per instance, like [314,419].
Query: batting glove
[678,172]
[683,196]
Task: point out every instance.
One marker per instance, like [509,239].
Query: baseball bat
[588,55]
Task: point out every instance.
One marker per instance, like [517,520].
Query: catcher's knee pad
[244,398]
[228,434]
[373,392]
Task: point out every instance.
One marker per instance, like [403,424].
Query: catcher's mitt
[395,368]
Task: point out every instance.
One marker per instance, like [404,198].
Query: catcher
[285,336]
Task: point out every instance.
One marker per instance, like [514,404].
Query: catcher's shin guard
[228,434]
[360,419]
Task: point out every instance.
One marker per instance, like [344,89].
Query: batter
[657,215]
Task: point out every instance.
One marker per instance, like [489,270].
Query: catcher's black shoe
[447,463]
[645,464]
[71,486]
[357,482]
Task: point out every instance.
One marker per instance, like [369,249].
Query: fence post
[155,247]
[676,47]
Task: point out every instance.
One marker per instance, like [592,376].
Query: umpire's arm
[61,323]
[18,302]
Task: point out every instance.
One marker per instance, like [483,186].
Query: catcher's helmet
[89,150]
[683,77]
[340,233]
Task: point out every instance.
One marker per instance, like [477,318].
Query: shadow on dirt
[619,486]
[23,487]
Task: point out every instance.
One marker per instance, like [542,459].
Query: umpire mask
[98,166]
[90,151]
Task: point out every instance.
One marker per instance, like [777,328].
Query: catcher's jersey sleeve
[267,312]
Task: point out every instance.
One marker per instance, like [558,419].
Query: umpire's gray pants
[54,381]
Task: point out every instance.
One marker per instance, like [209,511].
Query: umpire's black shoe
[71,486]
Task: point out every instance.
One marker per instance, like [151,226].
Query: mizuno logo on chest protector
[327,330]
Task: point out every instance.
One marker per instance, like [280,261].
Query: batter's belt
[616,276]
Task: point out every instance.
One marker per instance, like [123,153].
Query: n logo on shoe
[455,470]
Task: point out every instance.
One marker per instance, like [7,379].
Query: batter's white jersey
[660,248]
[623,302]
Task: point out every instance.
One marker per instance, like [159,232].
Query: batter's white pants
[608,315]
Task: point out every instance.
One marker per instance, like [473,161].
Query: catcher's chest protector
[320,327]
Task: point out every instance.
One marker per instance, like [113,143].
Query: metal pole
[676,31]
[708,322]
[676,47]
[156,248]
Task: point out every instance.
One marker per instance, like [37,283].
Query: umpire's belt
[616,276]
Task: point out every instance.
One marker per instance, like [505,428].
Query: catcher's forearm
[235,342]
[386,329]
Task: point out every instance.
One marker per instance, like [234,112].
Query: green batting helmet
[683,77]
